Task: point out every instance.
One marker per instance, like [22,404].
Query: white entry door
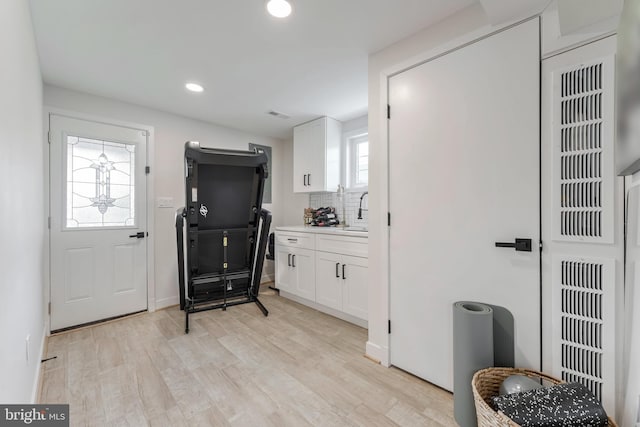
[464,174]
[98,221]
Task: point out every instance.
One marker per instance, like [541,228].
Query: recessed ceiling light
[194,87]
[279,8]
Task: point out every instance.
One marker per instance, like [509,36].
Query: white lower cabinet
[341,283]
[284,273]
[295,271]
[328,281]
[326,272]
[305,275]
[355,289]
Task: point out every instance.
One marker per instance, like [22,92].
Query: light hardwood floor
[297,367]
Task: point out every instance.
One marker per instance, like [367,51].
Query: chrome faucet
[360,208]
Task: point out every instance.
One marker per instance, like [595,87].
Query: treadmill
[222,232]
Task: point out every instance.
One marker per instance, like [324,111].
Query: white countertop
[323,230]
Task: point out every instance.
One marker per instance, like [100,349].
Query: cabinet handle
[344,278]
[304,180]
[293,260]
[337,266]
[289,260]
[309,179]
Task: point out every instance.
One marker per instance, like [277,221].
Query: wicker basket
[485,385]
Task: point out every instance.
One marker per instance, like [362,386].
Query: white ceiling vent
[279,114]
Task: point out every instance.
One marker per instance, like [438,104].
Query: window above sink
[357,160]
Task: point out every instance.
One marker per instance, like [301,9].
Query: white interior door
[463,174]
[98,221]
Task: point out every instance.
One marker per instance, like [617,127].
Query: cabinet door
[355,289]
[300,158]
[316,144]
[305,275]
[332,157]
[329,280]
[284,276]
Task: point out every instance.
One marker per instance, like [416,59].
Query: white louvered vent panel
[584,299]
[583,204]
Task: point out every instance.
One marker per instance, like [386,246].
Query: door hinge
[49,309]
[389,326]
[147,170]
[49,223]
[540,245]
[49,137]
[388,111]
[389,219]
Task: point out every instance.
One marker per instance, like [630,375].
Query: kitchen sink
[361,229]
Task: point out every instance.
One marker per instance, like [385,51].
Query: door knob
[520,245]
[138,235]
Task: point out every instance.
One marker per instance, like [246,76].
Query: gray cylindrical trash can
[472,351]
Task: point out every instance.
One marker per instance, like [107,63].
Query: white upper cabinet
[316,156]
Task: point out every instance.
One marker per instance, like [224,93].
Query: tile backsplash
[351,203]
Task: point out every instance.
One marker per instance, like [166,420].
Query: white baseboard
[378,352]
[167,302]
[335,313]
[37,381]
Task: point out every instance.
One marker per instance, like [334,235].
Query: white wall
[293,204]
[22,214]
[167,168]
[355,124]
[465,26]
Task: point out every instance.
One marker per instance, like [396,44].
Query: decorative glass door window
[100,183]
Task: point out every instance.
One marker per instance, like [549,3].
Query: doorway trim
[150,240]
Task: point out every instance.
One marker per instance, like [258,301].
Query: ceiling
[311,64]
